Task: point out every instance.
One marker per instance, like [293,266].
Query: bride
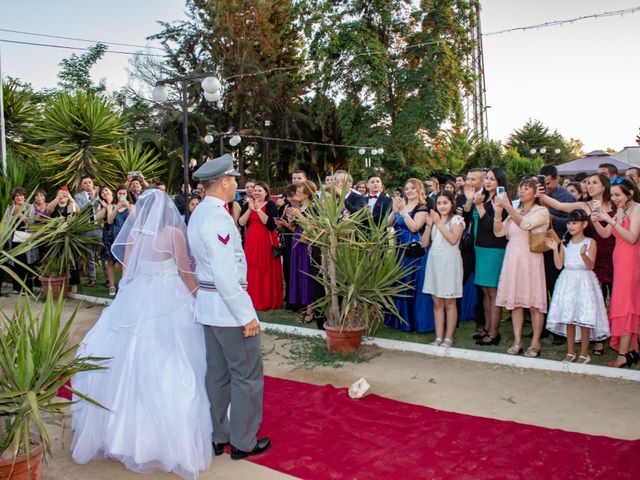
[153,385]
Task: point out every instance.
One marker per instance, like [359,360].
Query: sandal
[515,349]
[532,352]
[447,343]
[437,342]
[598,352]
[481,334]
[584,360]
[627,362]
[570,357]
[112,291]
[492,340]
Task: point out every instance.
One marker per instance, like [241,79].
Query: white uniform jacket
[221,267]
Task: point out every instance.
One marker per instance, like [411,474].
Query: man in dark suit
[353,201]
[379,202]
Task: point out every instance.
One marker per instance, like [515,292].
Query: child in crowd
[577,299]
[443,278]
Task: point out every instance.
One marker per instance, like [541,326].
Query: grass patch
[311,352]
[308,355]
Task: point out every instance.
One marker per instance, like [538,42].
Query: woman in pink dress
[522,281]
[624,311]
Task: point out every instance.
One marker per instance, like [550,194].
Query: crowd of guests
[552,252]
[110,208]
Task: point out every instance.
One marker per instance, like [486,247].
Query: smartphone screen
[500,191]
[542,181]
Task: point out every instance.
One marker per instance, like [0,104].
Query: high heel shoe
[627,358]
[492,340]
[480,335]
[634,356]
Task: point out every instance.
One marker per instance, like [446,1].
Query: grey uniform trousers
[234,376]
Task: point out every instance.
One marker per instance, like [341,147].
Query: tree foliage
[395,69]
[80,133]
[534,135]
[75,70]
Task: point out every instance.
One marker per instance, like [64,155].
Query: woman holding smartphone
[598,201]
[489,252]
[118,215]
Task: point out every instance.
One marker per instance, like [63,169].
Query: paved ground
[586,404]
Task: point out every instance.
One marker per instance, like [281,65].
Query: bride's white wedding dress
[153,385]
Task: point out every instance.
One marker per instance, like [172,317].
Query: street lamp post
[210,85]
[367,160]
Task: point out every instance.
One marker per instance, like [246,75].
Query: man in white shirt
[223,306]
[87,198]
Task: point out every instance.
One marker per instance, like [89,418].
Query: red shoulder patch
[224,239]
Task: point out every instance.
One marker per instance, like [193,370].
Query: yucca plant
[36,359]
[7,228]
[134,157]
[67,242]
[360,270]
[81,133]
[21,115]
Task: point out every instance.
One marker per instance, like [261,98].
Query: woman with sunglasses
[624,310]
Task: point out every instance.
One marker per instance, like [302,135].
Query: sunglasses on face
[616,181]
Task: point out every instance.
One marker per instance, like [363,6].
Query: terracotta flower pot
[345,341]
[57,285]
[20,469]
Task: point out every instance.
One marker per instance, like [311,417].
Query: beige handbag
[536,240]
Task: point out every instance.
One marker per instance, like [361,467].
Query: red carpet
[320,433]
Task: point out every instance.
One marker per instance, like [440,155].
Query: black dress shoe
[218,448]
[261,447]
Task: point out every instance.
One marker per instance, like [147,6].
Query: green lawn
[463,336]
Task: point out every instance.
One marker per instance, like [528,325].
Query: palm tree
[81,132]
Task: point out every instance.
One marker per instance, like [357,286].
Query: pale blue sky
[581,78]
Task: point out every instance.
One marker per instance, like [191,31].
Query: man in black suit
[353,201]
[379,202]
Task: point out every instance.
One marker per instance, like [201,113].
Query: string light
[554,23]
[304,142]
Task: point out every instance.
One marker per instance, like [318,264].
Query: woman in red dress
[264,272]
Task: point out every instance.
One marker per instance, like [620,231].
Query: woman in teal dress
[408,219]
[489,251]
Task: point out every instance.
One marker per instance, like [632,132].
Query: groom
[232,332]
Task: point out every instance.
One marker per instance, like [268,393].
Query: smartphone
[64,188]
[135,173]
[501,191]
[597,208]
[122,198]
[542,181]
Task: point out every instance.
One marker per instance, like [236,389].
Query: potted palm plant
[35,361]
[360,271]
[66,245]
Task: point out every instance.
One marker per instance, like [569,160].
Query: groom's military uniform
[223,306]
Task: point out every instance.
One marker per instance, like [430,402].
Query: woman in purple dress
[303,289]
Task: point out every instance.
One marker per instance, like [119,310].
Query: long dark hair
[577,215]
[629,188]
[452,199]
[604,180]
[265,187]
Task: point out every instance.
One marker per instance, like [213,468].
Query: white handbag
[19,236]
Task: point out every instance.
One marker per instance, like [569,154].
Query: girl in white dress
[153,383]
[443,276]
[577,297]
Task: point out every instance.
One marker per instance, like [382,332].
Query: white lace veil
[153,232]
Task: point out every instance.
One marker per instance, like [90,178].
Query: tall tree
[533,137]
[395,68]
[254,47]
[75,73]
